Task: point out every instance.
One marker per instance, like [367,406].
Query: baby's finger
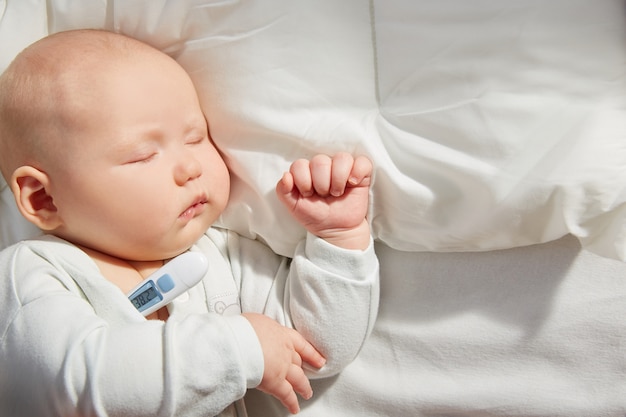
[299,382]
[285,190]
[301,172]
[361,172]
[342,167]
[321,166]
[296,359]
[285,184]
[287,396]
[307,351]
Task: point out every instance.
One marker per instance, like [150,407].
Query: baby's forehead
[69,66]
[73,53]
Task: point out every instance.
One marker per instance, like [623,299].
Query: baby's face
[142,179]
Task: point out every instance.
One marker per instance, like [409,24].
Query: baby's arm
[329,293]
[329,197]
[67,360]
[332,296]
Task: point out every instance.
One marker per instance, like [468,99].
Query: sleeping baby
[105,147]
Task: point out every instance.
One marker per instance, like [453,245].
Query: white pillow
[491,124]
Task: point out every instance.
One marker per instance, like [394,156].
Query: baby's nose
[187,169]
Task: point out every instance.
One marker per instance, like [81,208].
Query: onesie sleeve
[329,294]
[59,357]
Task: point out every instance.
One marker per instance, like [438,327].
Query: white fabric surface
[491,124]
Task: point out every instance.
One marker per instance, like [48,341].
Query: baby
[106,150]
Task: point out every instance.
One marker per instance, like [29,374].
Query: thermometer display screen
[168,282]
[144,297]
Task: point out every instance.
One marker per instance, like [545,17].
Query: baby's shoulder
[28,263]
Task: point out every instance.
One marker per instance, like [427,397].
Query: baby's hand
[284,351]
[329,197]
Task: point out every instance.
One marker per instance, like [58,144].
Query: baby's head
[48,90]
[103,143]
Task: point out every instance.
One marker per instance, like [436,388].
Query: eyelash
[142,159]
[195,141]
[148,158]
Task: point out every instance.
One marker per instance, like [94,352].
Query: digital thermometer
[168,282]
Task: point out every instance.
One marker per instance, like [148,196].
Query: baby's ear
[30,188]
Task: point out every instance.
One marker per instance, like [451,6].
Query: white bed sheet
[491,124]
[533,332]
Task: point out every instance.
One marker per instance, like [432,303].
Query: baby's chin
[185,242]
[167,250]
[168,243]
[172,252]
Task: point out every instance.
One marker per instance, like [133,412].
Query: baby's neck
[123,273]
[126,274]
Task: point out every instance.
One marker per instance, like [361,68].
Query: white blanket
[492,125]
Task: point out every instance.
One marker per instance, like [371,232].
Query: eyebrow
[197,123]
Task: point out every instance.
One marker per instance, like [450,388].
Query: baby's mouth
[194,209]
